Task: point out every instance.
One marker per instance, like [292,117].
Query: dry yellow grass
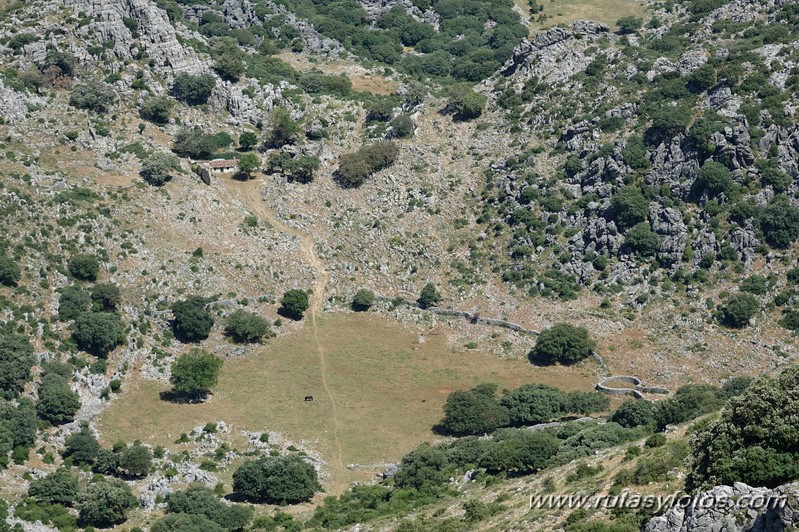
[388,389]
[362,79]
[567,11]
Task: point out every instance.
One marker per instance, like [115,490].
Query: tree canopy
[193,90]
[84,266]
[57,402]
[294,303]
[276,479]
[754,440]
[16,361]
[193,321]
[98,333]
[246,327]
[195,373]
[562,343]
[105,503]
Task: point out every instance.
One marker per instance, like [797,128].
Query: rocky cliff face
[778,512]
[156,36]
[555,55]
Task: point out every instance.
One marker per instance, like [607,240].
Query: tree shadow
[172,396]
[284,312]
[536,359]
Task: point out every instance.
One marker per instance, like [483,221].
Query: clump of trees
[478,411]
[363,300]
[199,501]
[283,130]
[97,97]
[158,168]
[157,109]
[429,296]
[59,487]
[294,303]
[355,168]
[194,374]
[246,327]
[57,402]
[562,343]
[738,310]
[72,302]
[299,168]
[16,361]
[10,273]
[465,104]
[84,266]
[193,90]
[642,240]
[193,320]
[98,333]
[779,221]
[105,503]
[715,179]
[197,144]
[276,479]
[629,207]
[754,440]
[106,297]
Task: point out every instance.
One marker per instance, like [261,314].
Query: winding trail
[248,194]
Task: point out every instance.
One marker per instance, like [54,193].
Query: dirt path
[249,195]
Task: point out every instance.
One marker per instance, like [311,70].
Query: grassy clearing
[388,388]
[362,79]
[567,11]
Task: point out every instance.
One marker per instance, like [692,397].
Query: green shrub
[715,179]
[642,240]
[193,90]
[157,169]
[474,412]
[280,480]
[57,402]
[193,321]
[630,24]
[157,109]
[84,267]
[97,97]
[105,503]
[16,360]
[634,413]
[738,310]
[779,221]
[562,343]
[10,273]
[59,487]
[355,168]
[402,126]
[755,284]
[754,441]
[363,300]
[195,373]
[464,104]
[294,303]
[246,327]
[72,302]
[629,207]
[98,333]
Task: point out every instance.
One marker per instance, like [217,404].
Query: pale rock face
[555,55]
[698,519]
[157,36]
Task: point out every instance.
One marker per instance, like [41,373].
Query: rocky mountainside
[438,163]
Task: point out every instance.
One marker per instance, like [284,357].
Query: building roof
[221,163]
